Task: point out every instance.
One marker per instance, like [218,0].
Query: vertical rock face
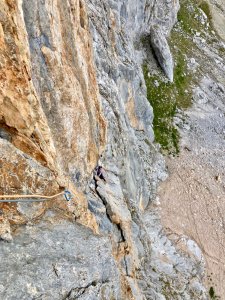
[64,78]
[50,108]
[57,100]
[49,95]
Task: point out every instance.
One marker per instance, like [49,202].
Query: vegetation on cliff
[167,99]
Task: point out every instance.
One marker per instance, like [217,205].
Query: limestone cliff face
[64,79]
[49,95]
[50,108]
[73,97]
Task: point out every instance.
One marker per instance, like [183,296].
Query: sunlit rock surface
[73,97]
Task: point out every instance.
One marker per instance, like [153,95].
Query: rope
[24,201]
[15,198]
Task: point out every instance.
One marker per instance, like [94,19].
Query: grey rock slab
[162,51]
[48,262]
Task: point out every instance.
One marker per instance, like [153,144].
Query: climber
[100,172]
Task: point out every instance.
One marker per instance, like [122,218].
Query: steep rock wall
[53,134]
[50,107]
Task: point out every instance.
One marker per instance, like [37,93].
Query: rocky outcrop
[162,51]
[73,97]
[163,19]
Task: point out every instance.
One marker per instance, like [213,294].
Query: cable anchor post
[67,195]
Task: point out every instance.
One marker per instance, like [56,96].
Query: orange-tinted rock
[48,136]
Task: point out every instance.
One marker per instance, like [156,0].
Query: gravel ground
[193,197]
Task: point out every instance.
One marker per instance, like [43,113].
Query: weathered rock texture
[162,19]
[50,107]
[64,110]
[218,16]
[162,51]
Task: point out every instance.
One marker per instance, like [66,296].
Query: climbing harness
[18,198]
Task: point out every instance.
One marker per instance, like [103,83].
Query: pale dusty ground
[193,196]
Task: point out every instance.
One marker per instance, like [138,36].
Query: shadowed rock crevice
[84,292]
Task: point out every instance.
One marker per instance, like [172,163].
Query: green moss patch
[190,15]
[166,98]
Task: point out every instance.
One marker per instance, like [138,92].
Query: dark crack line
[55,270]
[81,290]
